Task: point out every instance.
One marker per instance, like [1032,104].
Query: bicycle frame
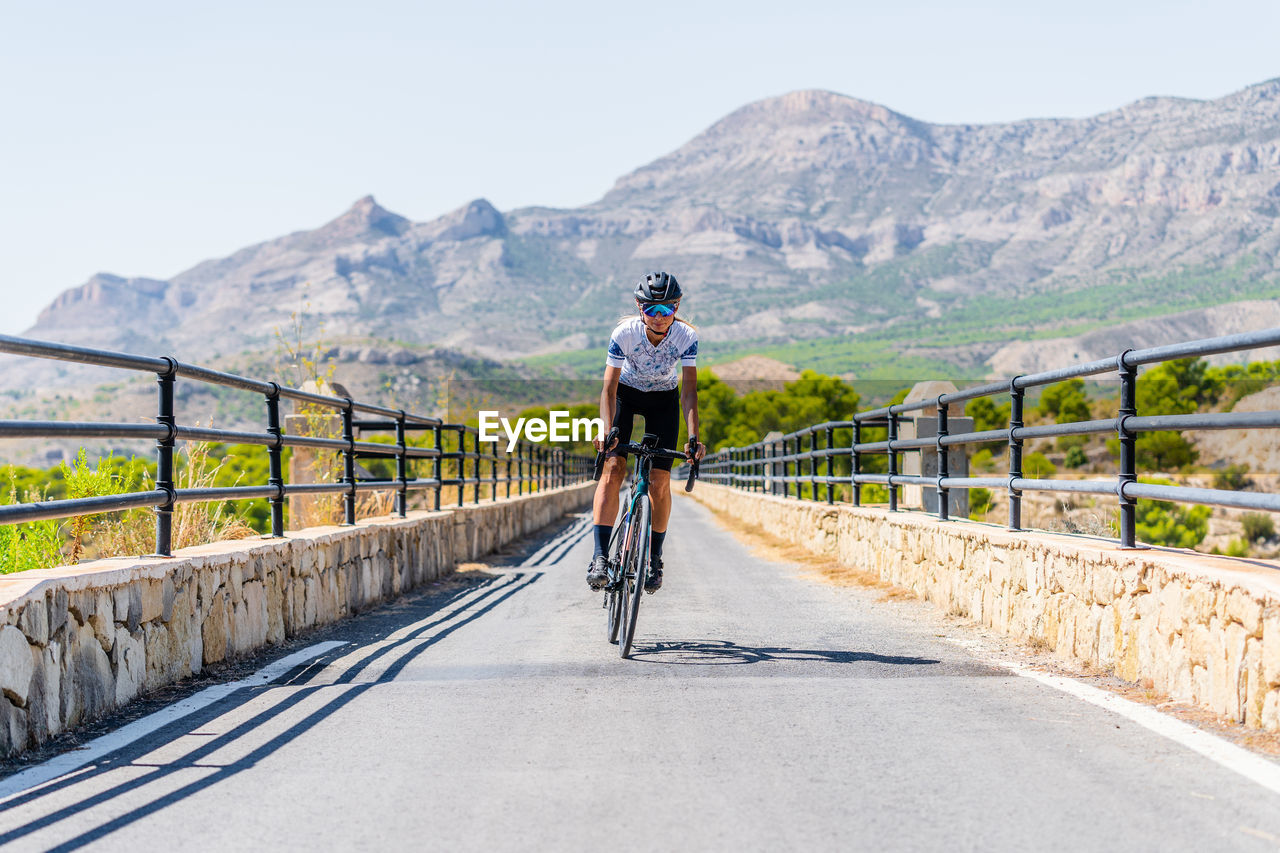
[639,488]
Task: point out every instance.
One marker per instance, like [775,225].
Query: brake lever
[694,444]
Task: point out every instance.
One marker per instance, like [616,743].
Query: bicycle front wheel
[613,600]
[634,580]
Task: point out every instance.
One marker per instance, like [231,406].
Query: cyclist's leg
[660,497]
[604,509]
[663,419]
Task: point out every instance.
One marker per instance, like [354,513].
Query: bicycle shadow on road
[728,653]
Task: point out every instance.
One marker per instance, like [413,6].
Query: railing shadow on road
[727,653]
[392,652]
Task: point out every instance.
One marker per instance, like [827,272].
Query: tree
[1177,387]
[1173,525]
[1036,466]
[1065,402]
[987,415]
[1076,457]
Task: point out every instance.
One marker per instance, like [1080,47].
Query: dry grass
[1143,692]
[770,547]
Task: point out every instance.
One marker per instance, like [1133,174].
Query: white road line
[1253,767]
[95,749]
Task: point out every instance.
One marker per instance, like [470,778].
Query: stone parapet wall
[1204,630]
[78,642]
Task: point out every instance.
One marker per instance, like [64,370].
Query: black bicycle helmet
[658,287]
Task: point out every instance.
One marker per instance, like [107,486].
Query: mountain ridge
[808,216]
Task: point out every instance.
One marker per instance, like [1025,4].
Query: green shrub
[33,545]
[979,503]
[1232,478]
[1036,466]
[1064,402]
[874,493]
[1257,525]
[1076,457]
[983,460]
[1235,548]
[1173,525]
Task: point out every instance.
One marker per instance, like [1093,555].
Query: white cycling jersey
[646,367]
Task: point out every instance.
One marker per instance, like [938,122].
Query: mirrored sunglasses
[658,309]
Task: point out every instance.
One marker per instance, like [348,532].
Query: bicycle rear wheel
[635,576]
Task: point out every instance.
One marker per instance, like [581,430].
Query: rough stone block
[58,610]
[34,621]
[13,728]
[1242,607]
[215,629]
[88,684]
[44,702]
[16,666]
[129,657]
[152,600]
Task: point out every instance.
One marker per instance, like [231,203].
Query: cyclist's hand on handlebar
[695,449]
[606,444]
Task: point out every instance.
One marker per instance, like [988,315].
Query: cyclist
[640,378]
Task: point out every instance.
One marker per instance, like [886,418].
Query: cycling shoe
[598,572]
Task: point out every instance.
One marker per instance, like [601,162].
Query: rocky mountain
[809,226]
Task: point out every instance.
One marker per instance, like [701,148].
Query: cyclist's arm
[689,402]
[609,397]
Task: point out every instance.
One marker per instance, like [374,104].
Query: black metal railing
[528,467]
[777,464]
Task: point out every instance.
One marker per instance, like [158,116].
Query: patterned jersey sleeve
[616,356]
[689,357]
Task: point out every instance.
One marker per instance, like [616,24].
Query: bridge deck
[763,710]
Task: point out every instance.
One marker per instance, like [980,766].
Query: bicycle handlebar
[654,452]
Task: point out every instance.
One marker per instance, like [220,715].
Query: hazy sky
[142,138]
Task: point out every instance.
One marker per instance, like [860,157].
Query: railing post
[893,462]
[1016,396]
[856,465]
[349,466]
[773,467]
[462,465]
[475,487]
[1128,452]
[813,464]
[507,477]
[402,468]
[275,475]
[519,467]
[786,471]
[831,465]
[164,460]
[944,500]
[437,435]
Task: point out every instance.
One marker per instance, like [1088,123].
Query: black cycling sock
[603,532]
[655,546]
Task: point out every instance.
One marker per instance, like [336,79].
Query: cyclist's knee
[615,468]
[659,482]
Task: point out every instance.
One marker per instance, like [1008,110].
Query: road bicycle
[629,544]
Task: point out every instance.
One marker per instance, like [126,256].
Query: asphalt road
[763,711]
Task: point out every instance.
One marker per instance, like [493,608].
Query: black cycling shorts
[661,411]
